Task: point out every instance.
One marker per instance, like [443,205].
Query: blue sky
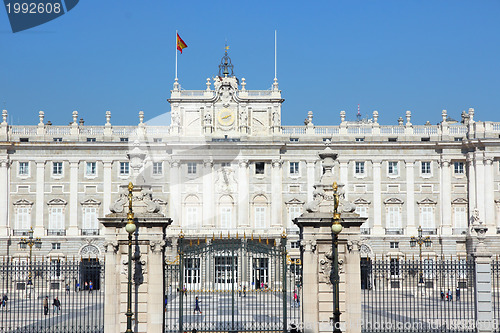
[389,56]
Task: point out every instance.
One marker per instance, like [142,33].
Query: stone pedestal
[147,264]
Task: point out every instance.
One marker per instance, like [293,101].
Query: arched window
[260,218]
[192,212]
[226,204]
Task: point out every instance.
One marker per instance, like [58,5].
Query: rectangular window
[393,217]
[192,216]
[460,217]
[56,218]
[124,169]
[394,267]
[57,139]
[427,217]
[394,245]
[259,168]
[295,245]
[363,212]
[393,169]
[457,139]
[225,217]
[23,219]
[360,139]
[91,169]
[24,168]
[90,139]
[191,168]
[57,168]
[90,219]
[293,213]
[56,246]
[426,168]
[225,164]
[458,168]
[157,140]
[260,217]
[425,139]
[192,273]
[360,168]
[294,139]
[294,168]
[157,168]
[123,139]
[392,139]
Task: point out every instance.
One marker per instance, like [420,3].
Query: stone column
[73,199]
[40,190]
[243,194]
[310,179]
[276,194]
[446,223]
[4,195]
[410,198]
[344,176]
[147,246]
[472,182]
[489,195]
[107,181]
[175,192]
[480,186]
[208,194]
[377,200]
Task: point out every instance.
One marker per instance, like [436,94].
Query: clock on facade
[226,117]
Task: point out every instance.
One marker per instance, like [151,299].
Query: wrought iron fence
[232,285]
[52,295]
[495,292]
[427,295]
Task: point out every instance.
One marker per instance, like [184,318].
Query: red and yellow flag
[180,43]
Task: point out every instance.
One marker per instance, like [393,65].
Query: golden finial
[252,236]
[221,235]
[267,241]
[205,239]
[181,235]
[244,235]
[283,234]
[237,235]
[190,242]
[259,239]
[198,240]
[228,235]
[226,47]
[213,236]
[275,242]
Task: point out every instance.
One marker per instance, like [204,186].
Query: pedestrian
[86,285]
[197,305]
[67,288]
[239,291]
[4,301]
[56,305]
[442,295]
[450,295]
[91,285]
[295,298]
[77,287]
[457,293]
[244,291]
[166,302]
[46,305]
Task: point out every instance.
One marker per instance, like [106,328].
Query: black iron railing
[418,295]
[57,297]
[56,232]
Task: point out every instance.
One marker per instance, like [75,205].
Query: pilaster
[243,194]
[377,199]
[410,197]
[310,179]
[208,194]
[40,191]
[4,195]
[446,224]
[73,199]
[472,182]
[175,192]
[489,195]
[276,193]
[107,181]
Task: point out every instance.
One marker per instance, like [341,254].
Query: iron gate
[232,285]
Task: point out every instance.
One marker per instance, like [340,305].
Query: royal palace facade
[226,165]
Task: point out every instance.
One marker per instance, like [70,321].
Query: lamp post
[130,228]
[30,241]
[335,278]
[420,240]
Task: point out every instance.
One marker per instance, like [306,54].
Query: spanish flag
[180,43]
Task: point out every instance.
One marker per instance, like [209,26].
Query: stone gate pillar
[147,264]
[316,249]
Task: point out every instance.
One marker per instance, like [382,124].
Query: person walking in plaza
[457,293]
[56,305]
[442,295]
[91,285]
[4,301]
[295,298]
[46,305]
[67,288]
[450,295]
[197,305]
[86,285]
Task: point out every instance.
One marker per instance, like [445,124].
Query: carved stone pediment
[294,201]
[427,201]
[23,202]
[460,201]
[361,201]
[56,201]
[393,201]
[90,202]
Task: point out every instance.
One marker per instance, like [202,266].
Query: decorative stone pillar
[148,244]
[489,195]
[243,194]
[276,193]
[410,197]
[208,194]
[175,192]
[480,185]
[446,226]
[4,195]
[73,199]
[107,181]
[40,191]
[377,199]
[316,241]
[472,182]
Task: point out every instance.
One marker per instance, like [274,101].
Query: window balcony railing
[90,232]
[365,231]
[56,232]
[394,231]
[20,232]
[429,231]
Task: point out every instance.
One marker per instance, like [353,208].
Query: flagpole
[176,54]
[275,54]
